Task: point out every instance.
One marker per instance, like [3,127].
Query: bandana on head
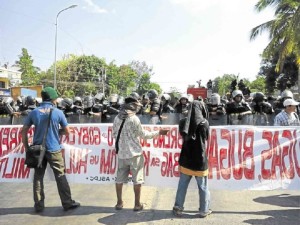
[128,110]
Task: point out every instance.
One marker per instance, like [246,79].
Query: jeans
[204,194]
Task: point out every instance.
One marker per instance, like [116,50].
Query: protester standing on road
[193,159]
[39,118]
[288,116]
[127,130]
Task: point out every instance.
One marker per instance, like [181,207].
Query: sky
[183,40]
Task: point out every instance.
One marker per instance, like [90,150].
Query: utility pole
[103,79]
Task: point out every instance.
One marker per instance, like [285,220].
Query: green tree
[222,84]
[155,86]
[30,74]
[144,73]
[284,31]
[258,85]
[121,79]
[281,81]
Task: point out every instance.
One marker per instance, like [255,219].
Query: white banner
[240,157]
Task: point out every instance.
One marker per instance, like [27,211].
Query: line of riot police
[236,109]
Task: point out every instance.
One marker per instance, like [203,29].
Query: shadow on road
[283,200]
[126,216]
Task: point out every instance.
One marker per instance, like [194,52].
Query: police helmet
[29,100]
[166,97]
[184,96]
[98,98]
[113,98]
[152,94]
[287,94]
[121,100]
[258,97]
[215,99]
[237,93]
[88,102]
[135,95]
[77,101]
[190,97]
[38,100]
[66,103]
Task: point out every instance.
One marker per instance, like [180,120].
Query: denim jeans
[204,194]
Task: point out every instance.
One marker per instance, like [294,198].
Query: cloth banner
[240,157]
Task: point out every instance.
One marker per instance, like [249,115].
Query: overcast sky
[184,40]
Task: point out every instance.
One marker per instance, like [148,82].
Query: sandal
[138,208]
[119,206]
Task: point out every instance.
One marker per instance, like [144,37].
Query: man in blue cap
[53,155]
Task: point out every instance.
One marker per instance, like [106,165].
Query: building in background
[9,76]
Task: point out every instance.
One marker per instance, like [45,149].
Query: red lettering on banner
[146,162]
[224,154]
[237,170]
[297,166]
[95,135]
[144,142]
[78,161]
[276,159]
[110,138]
[245,153]
[248,153]
[213,154]
[86,136]
[155,162]
[282,155]
[11,140]
[4,146]
[69,139]
[289,173]
[94,159]
[172,140]
[159,141]
[18,169]
[168,167]
[108,164]
[266,155]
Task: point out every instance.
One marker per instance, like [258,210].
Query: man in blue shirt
[39,118]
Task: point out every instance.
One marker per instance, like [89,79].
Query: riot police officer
[155,107]
[216,110]
[238,111]
[181,109]
[262,110]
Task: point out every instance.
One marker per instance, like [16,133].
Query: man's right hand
[163,131]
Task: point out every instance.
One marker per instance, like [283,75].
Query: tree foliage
[83,75]
[277,80]
[284,31]
[30,74]
[258,85]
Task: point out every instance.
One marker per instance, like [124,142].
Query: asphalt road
[97,206]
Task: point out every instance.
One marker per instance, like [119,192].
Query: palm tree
[284,31]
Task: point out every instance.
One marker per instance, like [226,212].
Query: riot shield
[74,118]
[170,118]
[217,120]
[6,120]
[18,120]
[238,119]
